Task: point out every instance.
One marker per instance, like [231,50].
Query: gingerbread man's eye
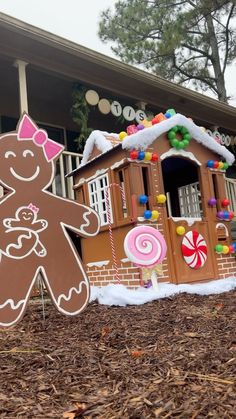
[9,154]
[28,152]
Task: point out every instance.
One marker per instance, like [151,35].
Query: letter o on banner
[227,140]
[129,113]
[116,108]
[140,116]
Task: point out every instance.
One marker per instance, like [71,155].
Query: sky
[77,20]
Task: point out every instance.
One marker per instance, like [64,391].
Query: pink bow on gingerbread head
[28,130]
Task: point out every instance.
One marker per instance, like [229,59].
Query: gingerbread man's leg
[65,278]
[16,282]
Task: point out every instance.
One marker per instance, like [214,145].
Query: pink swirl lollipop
[145,246]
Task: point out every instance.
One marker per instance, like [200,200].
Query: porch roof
[56,55]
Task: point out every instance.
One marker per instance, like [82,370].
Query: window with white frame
[190,201]
[100,199]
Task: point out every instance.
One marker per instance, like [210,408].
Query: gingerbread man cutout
[34,237]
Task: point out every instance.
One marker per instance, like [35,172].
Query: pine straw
[173,358]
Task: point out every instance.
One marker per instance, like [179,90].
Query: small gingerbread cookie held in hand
[24,228]
[34,226]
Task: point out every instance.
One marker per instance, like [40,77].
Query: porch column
[21,66]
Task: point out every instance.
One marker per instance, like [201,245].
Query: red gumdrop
[225,202]
[231,215]
[154,157]
[231,249]
[216,164]
[134,154]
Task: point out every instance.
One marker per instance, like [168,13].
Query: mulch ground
[172,358]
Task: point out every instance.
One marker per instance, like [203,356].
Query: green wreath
[182,142]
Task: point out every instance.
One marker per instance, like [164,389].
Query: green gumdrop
[186,143]
[171,111]
[187,137]
[171,135]
[178,145]
[184,130]
[175,143]
[175,128]
[226,165]
[181,145]
[219,248]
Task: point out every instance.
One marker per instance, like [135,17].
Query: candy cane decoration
[113,250]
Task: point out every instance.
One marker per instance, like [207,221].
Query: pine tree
[188,42]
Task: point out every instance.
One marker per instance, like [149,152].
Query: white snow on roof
[97,138]
[144,138]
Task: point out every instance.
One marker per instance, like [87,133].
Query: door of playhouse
[193,257]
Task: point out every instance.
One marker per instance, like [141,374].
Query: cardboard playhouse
[170,176]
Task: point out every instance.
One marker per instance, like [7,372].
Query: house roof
[51,53]
[144,138]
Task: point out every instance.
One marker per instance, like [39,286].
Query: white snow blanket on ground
[119,295]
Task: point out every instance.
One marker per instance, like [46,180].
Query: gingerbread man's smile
[23,178]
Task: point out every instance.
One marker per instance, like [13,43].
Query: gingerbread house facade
[113,177]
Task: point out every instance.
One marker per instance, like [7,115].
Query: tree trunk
[219,76]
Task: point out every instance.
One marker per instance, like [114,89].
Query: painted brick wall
[226,265]
[129,275]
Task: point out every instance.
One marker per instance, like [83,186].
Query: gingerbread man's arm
[39,225]
[11,222]
[79,218]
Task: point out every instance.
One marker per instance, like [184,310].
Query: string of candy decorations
[215,164]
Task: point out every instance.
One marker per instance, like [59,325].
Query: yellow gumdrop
[161,199]
[221,165]
[146,123]
[155,215]
[180,230]
[148,156]
[122,135]
[225,250]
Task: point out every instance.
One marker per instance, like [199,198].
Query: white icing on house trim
[98,264]
[182,153]
[125,260]
[221,225]
[118,164]
[143,161]
[189,221]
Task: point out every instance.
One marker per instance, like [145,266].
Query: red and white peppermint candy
[194,249]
